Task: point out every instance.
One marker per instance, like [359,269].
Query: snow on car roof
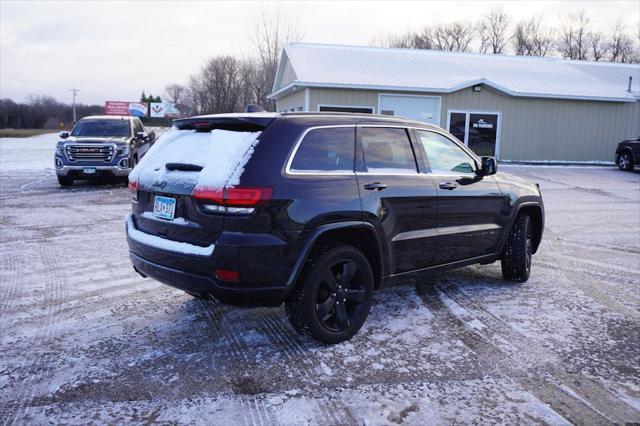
[358,67]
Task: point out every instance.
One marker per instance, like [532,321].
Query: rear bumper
[200,285]
[263,274]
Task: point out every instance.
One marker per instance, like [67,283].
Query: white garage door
[420,108]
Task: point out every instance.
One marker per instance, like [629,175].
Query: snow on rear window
[222,154]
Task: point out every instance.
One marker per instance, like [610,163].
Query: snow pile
[222,154]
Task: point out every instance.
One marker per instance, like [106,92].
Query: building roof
[356,67]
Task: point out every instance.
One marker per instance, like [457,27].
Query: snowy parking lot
[83,338]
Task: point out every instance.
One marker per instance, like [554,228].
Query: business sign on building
[164,109]
[136,109]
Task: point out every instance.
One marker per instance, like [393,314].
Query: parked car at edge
[628,154]
[318,210]
[101,146]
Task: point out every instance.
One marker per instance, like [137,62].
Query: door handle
[377,186]
[448,185]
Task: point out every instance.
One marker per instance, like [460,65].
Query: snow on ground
[85,339]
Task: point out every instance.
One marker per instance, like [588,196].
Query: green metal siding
[532,129]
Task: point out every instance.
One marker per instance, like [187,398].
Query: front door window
[479,131]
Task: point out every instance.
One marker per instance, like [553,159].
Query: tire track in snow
[285,341]
[236,347]
[40,363]
[8,283]
[523,354]
[504,360]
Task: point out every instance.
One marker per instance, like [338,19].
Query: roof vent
[629,87]
[253,108]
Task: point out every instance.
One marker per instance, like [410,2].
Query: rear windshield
[210,159]
[118,128]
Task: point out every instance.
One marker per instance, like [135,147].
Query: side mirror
[63,135]
[141,135]
[489,166]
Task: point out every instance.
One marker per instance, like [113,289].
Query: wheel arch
[536,214]
[628,150]
[361,235]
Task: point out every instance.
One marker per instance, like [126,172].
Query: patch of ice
[164,244]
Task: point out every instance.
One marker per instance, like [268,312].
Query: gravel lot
[85,339]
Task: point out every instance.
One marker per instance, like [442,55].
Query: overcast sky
[113,50]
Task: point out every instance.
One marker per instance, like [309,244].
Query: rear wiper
[185,167]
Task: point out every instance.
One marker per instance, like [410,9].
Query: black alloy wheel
[333,297]
[624,161]
[341,296]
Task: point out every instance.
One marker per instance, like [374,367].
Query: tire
[516,259]
[333,296]
[65,181]
[624,161]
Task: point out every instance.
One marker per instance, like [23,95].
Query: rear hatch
[200,155]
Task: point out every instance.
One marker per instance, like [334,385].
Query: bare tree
[492,30]
[573,42]
[532,38]
[175,93]
[274,29]
[454,36]
[621,48]
[217,87]
[597,46]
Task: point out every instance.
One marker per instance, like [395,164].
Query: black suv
[317,210]
[628,154]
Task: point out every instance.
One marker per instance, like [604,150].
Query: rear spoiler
[241,123]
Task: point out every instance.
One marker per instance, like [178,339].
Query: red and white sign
[137,109]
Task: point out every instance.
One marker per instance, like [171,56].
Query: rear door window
[387,150]
[325,150]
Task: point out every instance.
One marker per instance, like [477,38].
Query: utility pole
[75,92]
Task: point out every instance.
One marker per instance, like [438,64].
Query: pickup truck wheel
[516,260]
[65,181]
[334,295]
[624,161]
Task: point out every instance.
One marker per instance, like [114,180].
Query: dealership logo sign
[136,109]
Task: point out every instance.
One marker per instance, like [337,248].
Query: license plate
[89,171]
[164,207]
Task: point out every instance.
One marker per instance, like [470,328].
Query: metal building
[514,107]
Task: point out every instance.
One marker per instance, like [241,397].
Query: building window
[479,130]
[359,110]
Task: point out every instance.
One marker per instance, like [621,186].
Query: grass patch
[23,133]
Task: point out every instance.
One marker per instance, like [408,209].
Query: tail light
[240,200]
[133,187]
[227,275]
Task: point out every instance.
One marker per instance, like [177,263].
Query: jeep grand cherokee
[317,210]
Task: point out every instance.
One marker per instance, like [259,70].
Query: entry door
[396,198]
[470,222]
[477,130]
[419,108]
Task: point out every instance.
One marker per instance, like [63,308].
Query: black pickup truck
[628,154]
[101,146]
